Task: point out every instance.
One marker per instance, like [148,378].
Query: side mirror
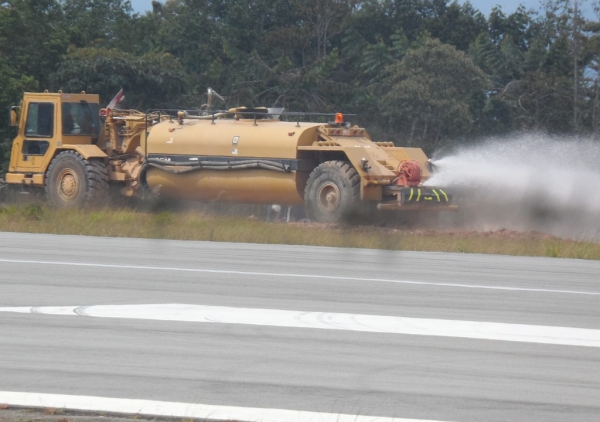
[14,116]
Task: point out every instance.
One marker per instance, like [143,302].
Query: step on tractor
[74,150]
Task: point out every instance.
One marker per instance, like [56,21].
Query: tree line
[428,73]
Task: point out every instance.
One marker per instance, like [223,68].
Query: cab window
[80,118]
[35,147]
[40,120]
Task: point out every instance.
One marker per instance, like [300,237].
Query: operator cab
[80,118]
[47,121]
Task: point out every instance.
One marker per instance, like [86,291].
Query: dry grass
[195,225]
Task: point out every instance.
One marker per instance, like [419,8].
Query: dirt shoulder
[18,414]
[196,225]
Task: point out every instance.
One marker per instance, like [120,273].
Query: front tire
[332,192]
[74,182]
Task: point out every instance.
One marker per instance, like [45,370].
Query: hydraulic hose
[171,167]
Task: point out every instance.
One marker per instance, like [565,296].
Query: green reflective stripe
[418,194]
[444,193]
[411,194]
[436,194]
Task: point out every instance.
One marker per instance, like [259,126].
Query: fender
[86,151]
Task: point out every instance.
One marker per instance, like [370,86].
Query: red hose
[409,173]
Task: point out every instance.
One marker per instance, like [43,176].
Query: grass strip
[194,225]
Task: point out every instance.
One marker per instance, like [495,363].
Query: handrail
[174,111]
[206,114]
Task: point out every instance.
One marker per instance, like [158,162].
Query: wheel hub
[329,197]
[68,184]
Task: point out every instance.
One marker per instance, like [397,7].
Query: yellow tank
[230,138]
[333,169]
[259,186]
[206,160]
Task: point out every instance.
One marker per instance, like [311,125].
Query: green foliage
[99,23]
[31,45]
[377,58]
[32,40]
[457,25]
[150,80]
[430,94]
[12,87]
[33,212]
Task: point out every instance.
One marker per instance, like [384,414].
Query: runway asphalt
[306,369]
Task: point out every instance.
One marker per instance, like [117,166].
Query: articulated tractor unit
[73,150]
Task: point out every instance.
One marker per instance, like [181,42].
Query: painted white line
[291,275]
[331,321]
[182,410]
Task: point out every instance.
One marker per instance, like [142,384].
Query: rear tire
[74,182]
[332,192]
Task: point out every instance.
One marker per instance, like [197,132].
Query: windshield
[81,118]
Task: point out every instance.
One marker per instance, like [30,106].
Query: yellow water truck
[244,155]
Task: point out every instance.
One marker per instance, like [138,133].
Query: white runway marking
[331,321]
[182,410]
[287,275]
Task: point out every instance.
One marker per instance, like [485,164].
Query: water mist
[531,182]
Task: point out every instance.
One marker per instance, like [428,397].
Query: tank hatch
[246,113]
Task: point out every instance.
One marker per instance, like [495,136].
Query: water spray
[532,182]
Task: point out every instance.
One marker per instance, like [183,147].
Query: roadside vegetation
[436,74]
[202,224]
